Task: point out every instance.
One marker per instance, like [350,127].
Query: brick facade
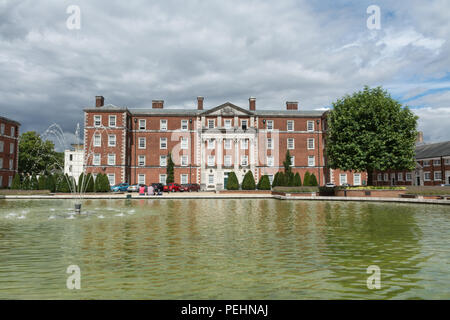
[215,142]
[9,145]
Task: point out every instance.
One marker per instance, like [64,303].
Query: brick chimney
[291,105]
[99,101]
[200,103]
[157,104]
[419,139]
[252,103]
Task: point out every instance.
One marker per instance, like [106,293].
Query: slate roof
[9,120]
[433,150]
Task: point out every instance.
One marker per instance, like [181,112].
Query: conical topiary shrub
[232,183]
[16,184]
[89,183]
[50,183]
[297,180]
[42,183]
[264,183]
[313,180]
[34,182]
[306,179]
[248,183]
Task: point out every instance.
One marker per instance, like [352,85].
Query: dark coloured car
[172,187]
[191,187]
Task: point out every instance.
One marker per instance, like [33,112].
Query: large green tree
[370,131]
[170,172]
[37,156]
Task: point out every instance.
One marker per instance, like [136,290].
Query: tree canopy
[370,131]
[37,156]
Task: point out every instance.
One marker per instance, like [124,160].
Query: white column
[236,154]
[219,160]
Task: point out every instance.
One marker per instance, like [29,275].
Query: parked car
[172,187]
[135,187]
[189,187]
[330,185]
[157,186]
[120,187]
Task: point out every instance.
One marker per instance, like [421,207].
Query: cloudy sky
[134,51]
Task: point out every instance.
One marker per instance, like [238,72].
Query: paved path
[213,195]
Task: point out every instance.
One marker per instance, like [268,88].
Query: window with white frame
[162,178]
[1,181]
[163,124]
[447,161]
[211,123]
[141,143]
[163,143]
[142,124]
[96,160]
[310,126]
[244,124]
[2,146]
[357,179]
[13,131]
[227,161]
[244,160]
[11,148]
[269,125]
[111,140]
[141,160]
[269,143]
[427,176]
[311,161]
[290,125]
[379,177]
[112,121]
[141,178]
[227,144]
[111,159]
[227,123]
[184,143]
[310,143]
[184,178]
[211,179]
[10,178]
[184,160]
[211,161]
[244,144]
[10,164]
[290,143]
[2,128]
[162,161]
[342,178]
[184,125]
[292,161]
[1,164]
[437,175]
[97,121]
[211,144]
[112,178]
[270,161]
[426,163]
[400,176]
[437,162]
[408,176]
[386,177]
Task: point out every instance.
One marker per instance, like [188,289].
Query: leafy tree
[170,171]
[313,180]
[42,183]
[16,184]
[264,183]
[297,180]
[306,179]
[34,183]
[232,183]
[50,183]
[370,131]
[248,183]
[37,156]
[288,175]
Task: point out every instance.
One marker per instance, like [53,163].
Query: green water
[223,249]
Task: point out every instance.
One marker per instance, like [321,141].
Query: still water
[223,249]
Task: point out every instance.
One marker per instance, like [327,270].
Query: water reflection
[224,249]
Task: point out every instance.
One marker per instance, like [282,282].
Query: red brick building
[131,145]
[432,168]
[9,145]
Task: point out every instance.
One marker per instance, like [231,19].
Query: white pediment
[228,110]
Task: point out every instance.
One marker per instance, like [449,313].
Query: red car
[191,187]
[172,187]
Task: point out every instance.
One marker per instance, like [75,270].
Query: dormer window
[244,124]
[211,123]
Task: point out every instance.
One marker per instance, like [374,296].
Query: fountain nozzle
[78,208]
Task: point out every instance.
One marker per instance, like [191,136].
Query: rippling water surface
[223,249]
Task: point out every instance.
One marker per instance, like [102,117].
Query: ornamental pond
[223,249]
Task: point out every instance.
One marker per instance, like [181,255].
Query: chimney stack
[252,103]
[419,139]
[99,101]
[200,103]
[157,104]
[291,105]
